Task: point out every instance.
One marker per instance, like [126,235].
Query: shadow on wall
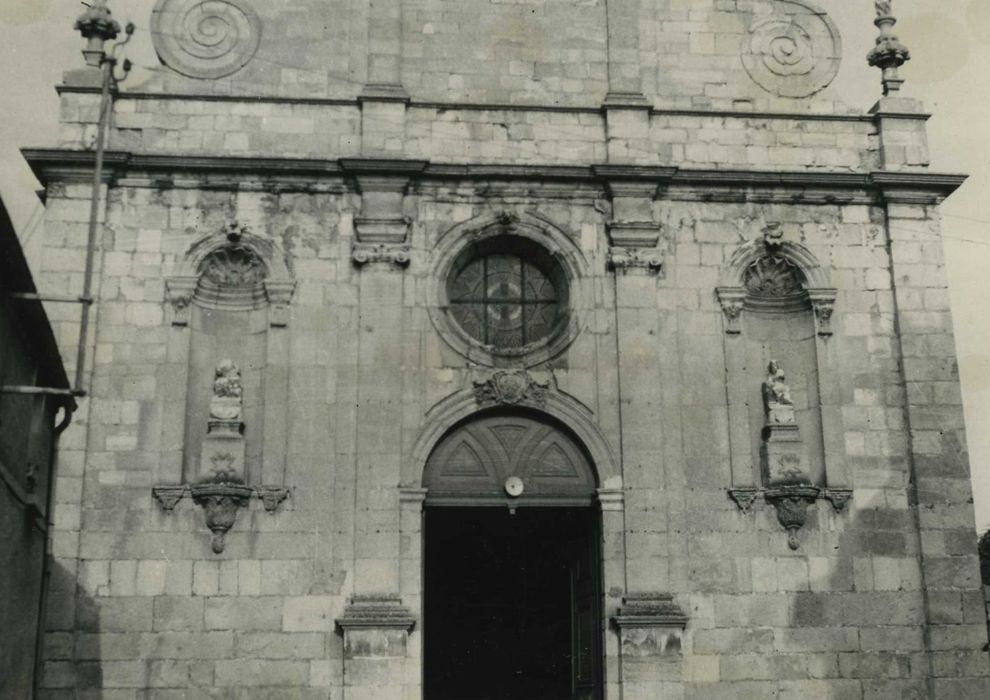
[72,650]
[865,599]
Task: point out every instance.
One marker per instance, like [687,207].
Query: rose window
[508,300]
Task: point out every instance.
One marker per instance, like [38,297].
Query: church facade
[487,349]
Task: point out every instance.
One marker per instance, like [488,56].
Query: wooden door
[585,617]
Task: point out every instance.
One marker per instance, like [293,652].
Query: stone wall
[871,592]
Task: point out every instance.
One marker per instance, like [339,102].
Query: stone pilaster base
[376,635]
[651,628]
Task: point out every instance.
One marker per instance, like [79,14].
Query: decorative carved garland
[205,39]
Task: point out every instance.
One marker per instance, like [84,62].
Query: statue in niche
[777,396]
[225,405]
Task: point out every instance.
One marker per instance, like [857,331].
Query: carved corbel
[220,502]
[506,387]
[650,259]
[366,253]
[745,497]
[279,294]
[169,496]
[823,303]
[791,504]
[733,300]
[179,293]
[837,497]
[271,496]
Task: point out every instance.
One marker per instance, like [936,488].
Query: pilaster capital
[732,300]
[823,304]
[648,259]
[179,292]
[368,253]
[612,499]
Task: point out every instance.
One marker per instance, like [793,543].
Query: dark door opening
[511,605]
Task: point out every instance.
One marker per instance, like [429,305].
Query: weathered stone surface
[500,119]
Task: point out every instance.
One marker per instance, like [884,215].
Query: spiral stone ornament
[205,38]
[794,51]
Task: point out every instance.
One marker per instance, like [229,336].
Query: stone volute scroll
[205,39]
[794,50]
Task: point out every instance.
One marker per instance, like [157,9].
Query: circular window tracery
[508,294]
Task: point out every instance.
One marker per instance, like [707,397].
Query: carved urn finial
[889,54]
[97,26]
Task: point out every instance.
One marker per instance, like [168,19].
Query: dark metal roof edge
[32,312]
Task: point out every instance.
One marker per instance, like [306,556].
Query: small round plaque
[514,486]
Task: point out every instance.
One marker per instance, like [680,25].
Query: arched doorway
[512,589]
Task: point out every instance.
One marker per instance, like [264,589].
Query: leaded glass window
[507,300]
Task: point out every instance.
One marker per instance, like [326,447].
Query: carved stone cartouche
[510,388]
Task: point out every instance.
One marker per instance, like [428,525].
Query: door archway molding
[463,404]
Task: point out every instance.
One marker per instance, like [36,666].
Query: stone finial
[777,396]
[97,26]
[889,54]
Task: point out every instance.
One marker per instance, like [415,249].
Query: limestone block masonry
[305,189]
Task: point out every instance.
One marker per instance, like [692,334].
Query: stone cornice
[52,165]
[486,107]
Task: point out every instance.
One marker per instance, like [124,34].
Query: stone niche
[228,305]
[786,429]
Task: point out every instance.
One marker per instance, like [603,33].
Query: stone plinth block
[375,626]
[223,450]
[650,625]
[783,455]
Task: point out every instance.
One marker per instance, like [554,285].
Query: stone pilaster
[383,99]
[625,84]
[627,111]
[936,449]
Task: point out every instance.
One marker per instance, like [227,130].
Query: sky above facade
[949,71]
